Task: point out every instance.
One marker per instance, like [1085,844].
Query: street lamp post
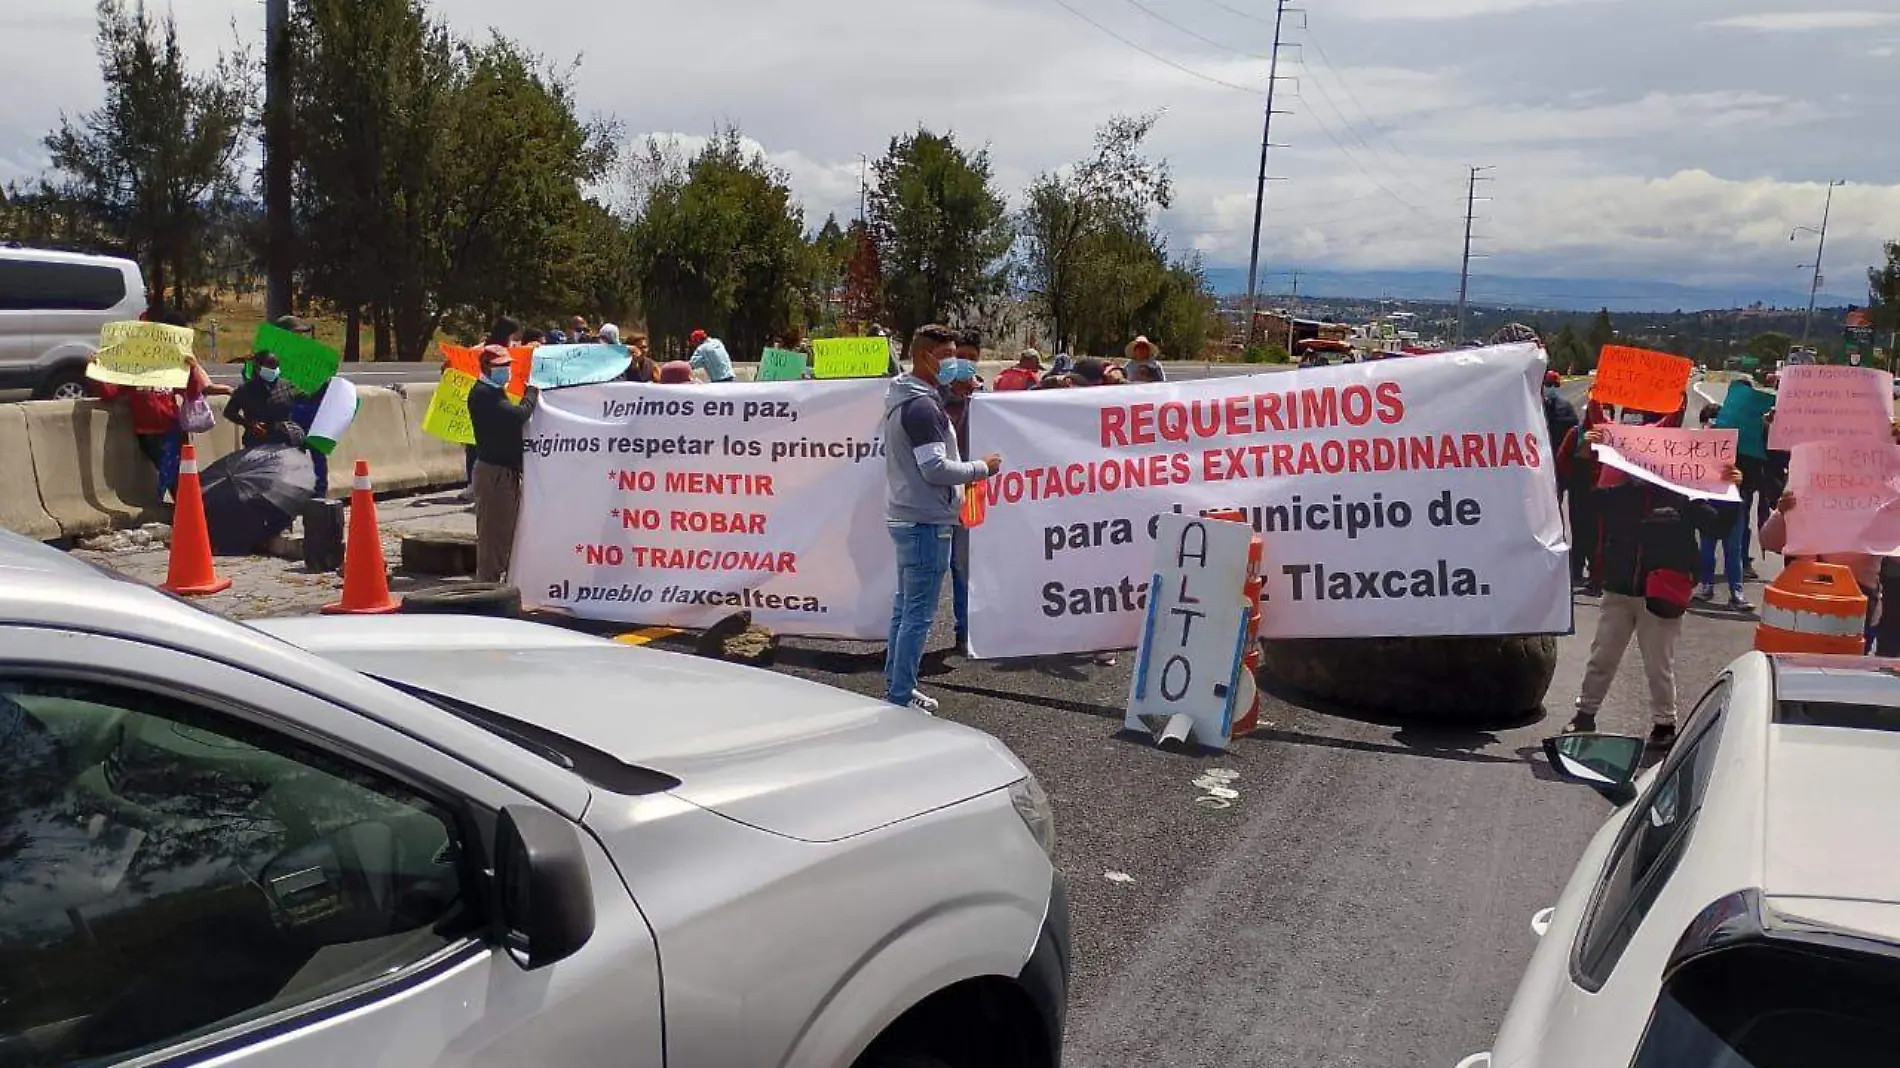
[1820,254]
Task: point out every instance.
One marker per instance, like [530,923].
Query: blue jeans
[923,555]
[960,582]
[1732,552]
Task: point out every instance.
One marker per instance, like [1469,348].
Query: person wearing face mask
[499,422]
[262,406]
[957,384]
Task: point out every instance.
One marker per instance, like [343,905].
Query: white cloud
[1804,21]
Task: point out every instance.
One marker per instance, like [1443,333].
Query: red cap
[697,339]
[1552,378]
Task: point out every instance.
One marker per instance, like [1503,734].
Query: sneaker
[1594,589]
[1105,659]
[1582,724]
[923,702]
[1738,602]
[1662,736]
[1705,592]
[1748,571]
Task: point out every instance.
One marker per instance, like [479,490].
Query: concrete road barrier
[379,434]
[221,440]
[91,475]
[442,462]
[20,506]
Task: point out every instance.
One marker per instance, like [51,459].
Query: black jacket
[498,424]
[268,403]
[1646,527]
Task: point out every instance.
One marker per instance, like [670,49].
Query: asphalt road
[1367,900]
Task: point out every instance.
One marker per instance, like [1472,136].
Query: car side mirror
[546,900]
[1607,763]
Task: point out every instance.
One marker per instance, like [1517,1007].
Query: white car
[1741,909]
[434,840]
[52,305]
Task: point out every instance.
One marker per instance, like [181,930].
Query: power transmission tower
[1266,142]
[279,227]
[1820,253]
[1464,273]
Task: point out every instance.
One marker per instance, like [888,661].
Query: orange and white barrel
[1813,608]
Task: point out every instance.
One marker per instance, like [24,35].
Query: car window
[34,285]
[1765,1006]
[167,872]
[1650,846]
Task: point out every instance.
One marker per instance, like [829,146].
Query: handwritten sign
[469,361]
[149,355]
[554,366]
[1194,640]
[784,365]
[304,362]
[850,357]
[1742,410]
[1690,462]
[1847,498]
[447,417]
[1833,404]
[1640,379]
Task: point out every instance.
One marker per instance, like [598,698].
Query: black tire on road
[465,599]
[899,1058]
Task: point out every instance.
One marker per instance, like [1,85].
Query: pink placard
[1689,461]
[1832,404]
[1847,499]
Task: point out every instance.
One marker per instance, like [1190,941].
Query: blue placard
[578,365]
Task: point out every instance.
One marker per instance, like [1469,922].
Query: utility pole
[864,164]
[1820,253]
[1464,273]
[1292,313]
[1266,142]
[280,228]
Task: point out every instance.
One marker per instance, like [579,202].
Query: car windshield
[1769,1006]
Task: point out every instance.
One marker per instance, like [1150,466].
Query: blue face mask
[497,376]
[955,370]
[268,374]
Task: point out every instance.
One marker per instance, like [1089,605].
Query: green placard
[781,365]
[306,363]
[851,357]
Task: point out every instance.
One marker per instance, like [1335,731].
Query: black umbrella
[253,494]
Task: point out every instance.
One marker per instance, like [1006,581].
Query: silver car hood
[778,753]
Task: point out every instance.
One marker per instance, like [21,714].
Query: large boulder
[1450,680]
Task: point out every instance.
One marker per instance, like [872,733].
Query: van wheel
[905,1059]
[66,385]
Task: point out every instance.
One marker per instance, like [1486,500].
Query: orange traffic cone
[365,578]
[191,573]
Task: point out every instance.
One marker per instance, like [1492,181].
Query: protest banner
[1743,407]
[1640,379]
[1690,462]
[148,355]
[468,360]
[660,505]
[304,362]
[850,357]
[781,365]
[1847,498]
[1819,403]
[556,366]
[1399,498]
[447,417]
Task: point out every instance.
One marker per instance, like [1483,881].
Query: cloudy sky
[1674,139]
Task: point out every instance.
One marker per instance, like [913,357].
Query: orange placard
[469,361]
[1640,379]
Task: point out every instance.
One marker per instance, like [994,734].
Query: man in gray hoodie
[923,466]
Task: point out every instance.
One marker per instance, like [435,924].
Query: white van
[52,305]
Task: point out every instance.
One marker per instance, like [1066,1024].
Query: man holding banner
[923,467]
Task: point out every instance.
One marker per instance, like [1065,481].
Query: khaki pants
[497,506]
[1655,639]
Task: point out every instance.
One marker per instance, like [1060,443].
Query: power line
[1332,105]
[1156,56]
[1201,37]
[1327,61]
[1237,11]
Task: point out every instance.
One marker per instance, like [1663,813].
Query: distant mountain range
[1556,294]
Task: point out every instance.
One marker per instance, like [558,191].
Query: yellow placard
[850,357]
[151,355]
[447,417]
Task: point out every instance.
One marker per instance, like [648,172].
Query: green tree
[719,245]
[1770,347]
[1568,354]
[1080,230]
[1883,300]
[157,161]
[1602,332]
[941,227]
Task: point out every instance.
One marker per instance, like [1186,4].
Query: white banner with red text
[1408,497]
[680,505]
